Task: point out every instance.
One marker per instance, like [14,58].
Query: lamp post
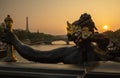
[10,50]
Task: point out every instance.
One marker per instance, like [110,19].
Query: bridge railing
[37,70]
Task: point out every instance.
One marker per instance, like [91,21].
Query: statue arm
[29,53]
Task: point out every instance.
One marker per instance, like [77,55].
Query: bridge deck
[105,70]
[37,70]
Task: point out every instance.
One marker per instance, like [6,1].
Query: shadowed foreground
[67,55]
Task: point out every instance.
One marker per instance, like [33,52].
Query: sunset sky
[50,16]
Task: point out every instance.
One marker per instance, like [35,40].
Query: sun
[105,27]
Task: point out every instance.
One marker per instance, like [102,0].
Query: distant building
[37,30]
[27,25]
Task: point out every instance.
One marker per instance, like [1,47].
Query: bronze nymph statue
[89,47]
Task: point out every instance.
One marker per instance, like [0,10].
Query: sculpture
[81,29]
[86,52]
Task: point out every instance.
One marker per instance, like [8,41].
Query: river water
[43,47]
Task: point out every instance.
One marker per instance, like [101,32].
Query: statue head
[79,32]
[85,16]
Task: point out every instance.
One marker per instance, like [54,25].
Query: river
[43,47]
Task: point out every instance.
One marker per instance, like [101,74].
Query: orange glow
[50,16]
[105,27]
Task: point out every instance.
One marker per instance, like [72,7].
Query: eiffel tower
[27,25]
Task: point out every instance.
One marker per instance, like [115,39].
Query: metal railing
[37,70]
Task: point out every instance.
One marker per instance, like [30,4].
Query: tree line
[23,35]
[114,36]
